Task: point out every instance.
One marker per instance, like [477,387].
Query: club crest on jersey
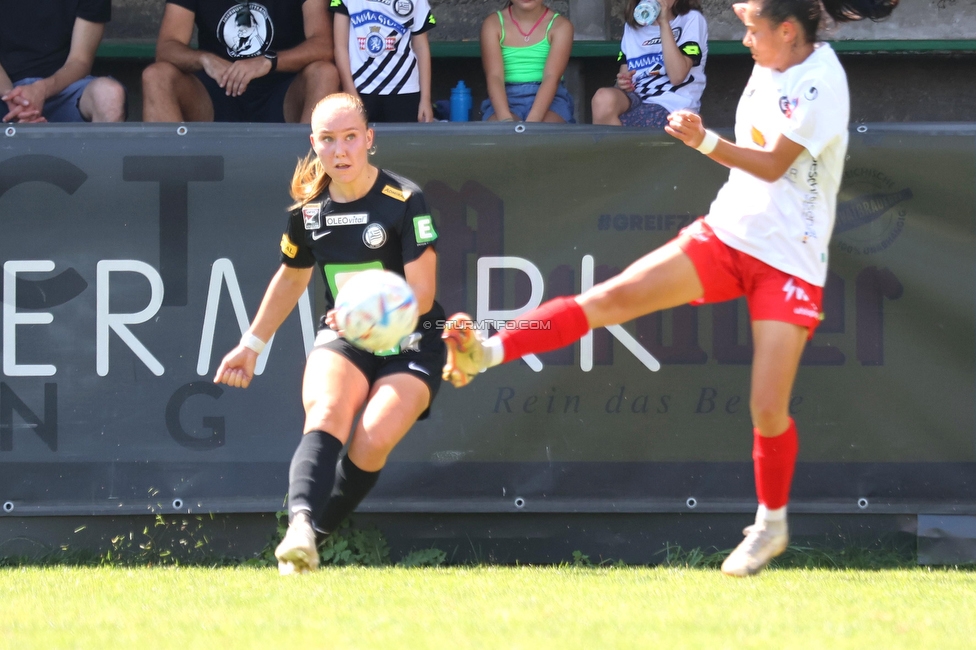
[403,7]
[312,216]
[375,43]
[374,236]
[787,105]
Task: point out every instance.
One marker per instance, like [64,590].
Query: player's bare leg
[778,347]
[661,279]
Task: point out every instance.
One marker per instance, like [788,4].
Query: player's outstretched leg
[764,540]
[297,552]
[465,350]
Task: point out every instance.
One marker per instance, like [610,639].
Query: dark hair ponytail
[808,12]
[846,10]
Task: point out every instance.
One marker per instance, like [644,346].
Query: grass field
[485,607]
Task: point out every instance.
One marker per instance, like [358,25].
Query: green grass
[484,607]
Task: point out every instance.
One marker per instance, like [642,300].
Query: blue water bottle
[460,103]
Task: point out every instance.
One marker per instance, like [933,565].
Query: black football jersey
[389,227]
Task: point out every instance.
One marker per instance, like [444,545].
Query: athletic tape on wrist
[252,342]
[708,143]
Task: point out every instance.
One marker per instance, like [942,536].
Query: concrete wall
[603,20]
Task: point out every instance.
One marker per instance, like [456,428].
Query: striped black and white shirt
[380,56]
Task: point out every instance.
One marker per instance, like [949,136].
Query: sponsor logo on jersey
[312,216]
[787,105]
[655,61]
[423,229]
[374,236]
[375,18]
[356,219]
[758,137]
[413,365]
[811,93]
[319,235]
[657,41]
[287,247]
[245,30]
[391,191]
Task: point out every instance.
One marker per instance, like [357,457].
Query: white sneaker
[764,541]
[297,552]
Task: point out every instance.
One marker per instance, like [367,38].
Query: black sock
[352,484]
[312,473]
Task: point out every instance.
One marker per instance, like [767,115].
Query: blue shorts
[62,107]
[521,97]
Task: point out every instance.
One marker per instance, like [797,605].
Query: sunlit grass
[485,607]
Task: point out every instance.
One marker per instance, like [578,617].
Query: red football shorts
[727,274]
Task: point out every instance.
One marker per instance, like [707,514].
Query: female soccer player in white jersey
[349,216]
[765,238]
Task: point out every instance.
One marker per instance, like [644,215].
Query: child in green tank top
[525,49]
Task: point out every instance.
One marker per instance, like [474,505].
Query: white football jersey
[380,57]
[788,223]
[641,50]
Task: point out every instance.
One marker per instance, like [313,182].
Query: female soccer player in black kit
[349,216]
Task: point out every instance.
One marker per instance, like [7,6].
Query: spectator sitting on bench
[47,48]
[253,64]
[525,49]
[662,67]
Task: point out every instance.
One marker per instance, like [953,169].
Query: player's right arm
[341,27]
[494,65]
[173,44]
[237,368]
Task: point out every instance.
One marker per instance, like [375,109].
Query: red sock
[554,324]
[774,459]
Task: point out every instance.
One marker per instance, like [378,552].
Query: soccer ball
[375,309]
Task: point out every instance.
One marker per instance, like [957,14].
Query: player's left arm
[421,275]
[560,47]
[421,50]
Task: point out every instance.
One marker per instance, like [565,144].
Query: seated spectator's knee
[603,103]
[108,100]
[160,76]
[322,75]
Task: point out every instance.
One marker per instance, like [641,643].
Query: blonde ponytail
[308,181]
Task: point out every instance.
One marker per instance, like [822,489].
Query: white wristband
[252,342]
[708,143]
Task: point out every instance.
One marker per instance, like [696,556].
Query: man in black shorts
[47,48]
[267,61]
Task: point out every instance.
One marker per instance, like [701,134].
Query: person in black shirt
[349,216]
[47,48]
[267,61]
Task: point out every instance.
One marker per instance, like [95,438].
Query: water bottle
[646,12]
[460,103]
